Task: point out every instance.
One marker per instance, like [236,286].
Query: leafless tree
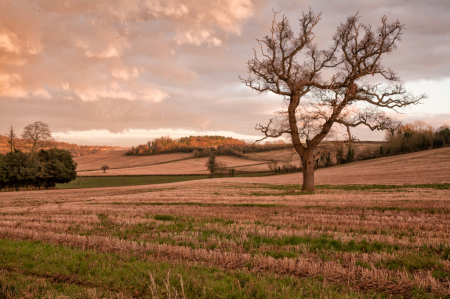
[104,168]
[327,83]
[11,136]
[38,135]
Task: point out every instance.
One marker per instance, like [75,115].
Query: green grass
[413,262]
[94,182]
[38,270]
[321,244]
[164,217]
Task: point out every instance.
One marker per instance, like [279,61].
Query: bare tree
[104,168]
[327,83]
[38,135]
[11,136]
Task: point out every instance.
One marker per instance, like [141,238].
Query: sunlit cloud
[116,91]
[197,38]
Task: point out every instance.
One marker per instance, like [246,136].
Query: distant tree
[220,167]
[38,135]
[104,168]
[392,125]
[273,165]
[11,136]
[321,88]
[211,164]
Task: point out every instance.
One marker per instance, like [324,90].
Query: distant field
[93,182]
[117,159]
[284,154]
[185,164]
[426,167]
[184,167]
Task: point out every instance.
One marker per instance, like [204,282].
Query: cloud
[116,91]
[10,87]
[197,38]
[124,74]
[17,51]
[113,65]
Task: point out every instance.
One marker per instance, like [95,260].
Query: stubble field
[375,229]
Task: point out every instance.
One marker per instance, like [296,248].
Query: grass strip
[320,244]
[187,204]
[34,263]
[382,209]
[359,187]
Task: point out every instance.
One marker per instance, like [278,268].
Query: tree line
[201,146]
[38,168]
[405,138]
[415,137]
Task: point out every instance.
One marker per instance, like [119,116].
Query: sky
[122,72]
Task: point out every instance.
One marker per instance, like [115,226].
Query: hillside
[166,144]
[187,163]
[75,149]
[362,149]
[117,159]
[426,167]
[202,146]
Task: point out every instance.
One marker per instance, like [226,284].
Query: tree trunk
[308,172]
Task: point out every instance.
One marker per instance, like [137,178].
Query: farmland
[117,159]
[165,164]
[186,164]
[373,229]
